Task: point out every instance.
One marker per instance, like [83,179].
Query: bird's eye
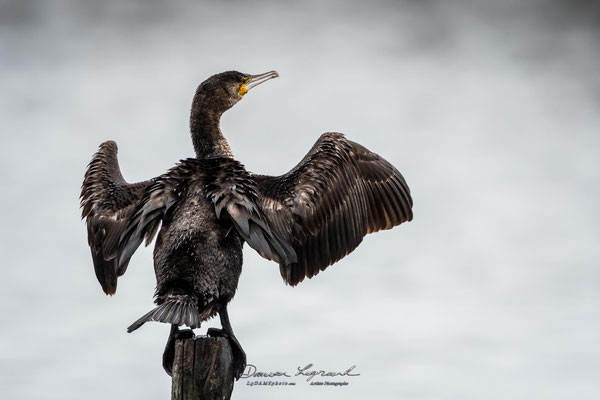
[243,90]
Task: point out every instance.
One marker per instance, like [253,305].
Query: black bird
[305,220]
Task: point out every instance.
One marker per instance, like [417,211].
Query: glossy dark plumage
[209,206]
[325,205]
[108,201]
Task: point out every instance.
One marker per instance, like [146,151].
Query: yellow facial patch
[243,89]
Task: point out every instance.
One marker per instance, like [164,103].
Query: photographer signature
[308,371]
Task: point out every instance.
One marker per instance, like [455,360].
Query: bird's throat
[206,135]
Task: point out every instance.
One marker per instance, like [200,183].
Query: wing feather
[324,206]
[159,198]
[231,188]
[107,201]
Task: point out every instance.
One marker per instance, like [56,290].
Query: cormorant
[305,220]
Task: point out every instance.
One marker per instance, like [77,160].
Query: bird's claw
[185,334]
[216,332]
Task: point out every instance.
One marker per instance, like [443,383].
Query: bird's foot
[239,356]
[216,332]
[169,353]
[185,334]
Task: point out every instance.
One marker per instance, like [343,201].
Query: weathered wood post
[202,369]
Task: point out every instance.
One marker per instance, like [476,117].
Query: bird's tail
[176,310]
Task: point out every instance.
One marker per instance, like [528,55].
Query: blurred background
[490,109]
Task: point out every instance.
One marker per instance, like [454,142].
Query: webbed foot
[169,353]
[239,356]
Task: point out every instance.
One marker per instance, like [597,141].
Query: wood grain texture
[203,369]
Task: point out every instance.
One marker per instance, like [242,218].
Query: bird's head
[220,92]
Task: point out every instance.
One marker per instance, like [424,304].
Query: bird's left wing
[325,205]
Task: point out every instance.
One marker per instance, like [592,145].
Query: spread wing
[325,205]
[107,201]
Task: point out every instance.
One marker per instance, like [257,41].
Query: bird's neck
[206,134]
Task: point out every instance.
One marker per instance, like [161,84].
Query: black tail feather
[174,311]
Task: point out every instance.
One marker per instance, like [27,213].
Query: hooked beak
[255,80]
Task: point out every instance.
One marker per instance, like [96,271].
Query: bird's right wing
[107,202]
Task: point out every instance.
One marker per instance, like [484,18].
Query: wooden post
[202,369]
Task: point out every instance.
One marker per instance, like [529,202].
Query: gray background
[490,110]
